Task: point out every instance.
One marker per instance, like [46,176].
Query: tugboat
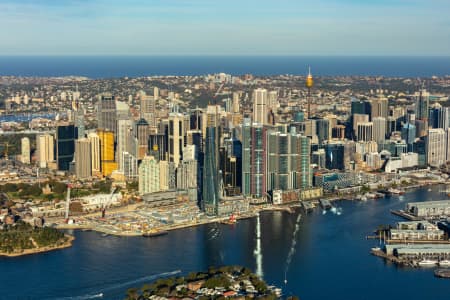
[154,233]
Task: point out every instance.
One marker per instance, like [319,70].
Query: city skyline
[233,28]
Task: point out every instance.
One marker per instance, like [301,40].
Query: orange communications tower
[309,84]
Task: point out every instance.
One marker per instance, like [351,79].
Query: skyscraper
[260,106]
[365,131]
[258,161]
[158,140]
[149,176]
[323,130]
[379,129]
[409,135]
[356,119]
[187,174]
[94,141]
[79,120]
[45,150]
[142,134]
[422,104]
[288,162]
[360,107]
[108,164]
[125,140]
[106,113]
[83,160]
[148,108]
[211,173]
[379,108]
[303,147]
[236,103]
[175,137]
[439,117]
[65,145]
[334,156]
[436,147]
[129,166]
[25,148]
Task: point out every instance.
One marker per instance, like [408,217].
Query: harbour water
[135,66]
[330,259]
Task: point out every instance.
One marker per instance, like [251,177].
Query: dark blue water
[26,117]
[134,66]
[331,259]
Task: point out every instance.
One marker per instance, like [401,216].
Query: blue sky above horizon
[245,27]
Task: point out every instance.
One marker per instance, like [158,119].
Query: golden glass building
[108,163]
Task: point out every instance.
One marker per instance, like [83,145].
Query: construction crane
[108,201]
[217,92]
[69,186]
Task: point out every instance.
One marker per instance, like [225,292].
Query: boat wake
[258,251]
[214,233]
[336,210]
[293,244]
[121,286]
[135,281]
[83,297]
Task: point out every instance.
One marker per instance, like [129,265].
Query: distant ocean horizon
[137,66]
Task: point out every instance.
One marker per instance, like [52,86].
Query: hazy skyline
[190,27]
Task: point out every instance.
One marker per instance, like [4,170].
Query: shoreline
[67,244]
[288,207]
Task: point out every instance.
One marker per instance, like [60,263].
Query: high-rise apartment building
[129,166]
[175,137]
[260,106]
[45,150]
[149,176]
[288,162]
[25,150]
[254,160]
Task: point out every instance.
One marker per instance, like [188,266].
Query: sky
[226,27]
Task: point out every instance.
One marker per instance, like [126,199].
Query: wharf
[408,242]
[403,214]
[391,258]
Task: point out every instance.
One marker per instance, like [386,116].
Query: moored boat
[155,233]
[427,263]
[444,263]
